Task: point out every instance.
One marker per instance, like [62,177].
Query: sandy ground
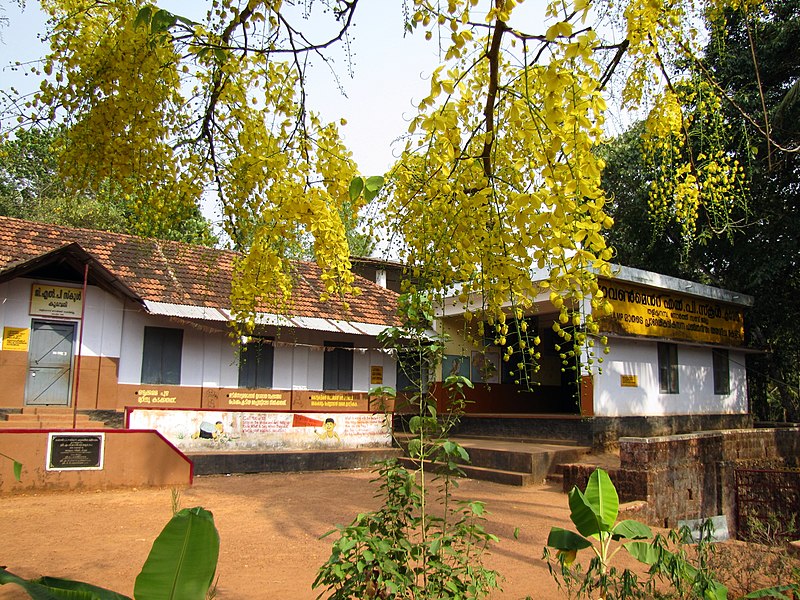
[270,526]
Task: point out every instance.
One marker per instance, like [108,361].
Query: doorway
[49,379]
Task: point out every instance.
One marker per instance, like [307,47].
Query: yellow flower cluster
[486,211]
[168,111]
[499,183]
[684,146]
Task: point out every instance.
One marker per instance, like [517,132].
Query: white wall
[104,315]
[695,382]
[208,358]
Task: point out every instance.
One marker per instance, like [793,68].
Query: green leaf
[516,533]
[774,592]
[435,546]
[631,530]
[374,183]
[17,470]
[563,539]
[717,591]
[414,448]
[583,515]
[183,559]
[220,55]
[462,453]
[383,390]
[454,380]
[644,552]
[144,16]
[161,21]
[372,187]
[356,185]
[602,497]
[51,588]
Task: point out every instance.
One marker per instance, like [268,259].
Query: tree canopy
[31,188]
[758,250]
[499,176]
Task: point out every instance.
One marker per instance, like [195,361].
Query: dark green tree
[759,253]
[31,188]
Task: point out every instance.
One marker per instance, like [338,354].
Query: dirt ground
[270,527]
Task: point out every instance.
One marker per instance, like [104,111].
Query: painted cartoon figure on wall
[211,431]
[328,432]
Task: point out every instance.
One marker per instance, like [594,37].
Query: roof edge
[676,284]
[74,254]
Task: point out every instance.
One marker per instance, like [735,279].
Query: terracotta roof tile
[178,273]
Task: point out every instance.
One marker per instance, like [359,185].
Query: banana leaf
[183,559]
[52,588]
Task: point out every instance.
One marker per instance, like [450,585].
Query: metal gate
[49,378]
[767,498]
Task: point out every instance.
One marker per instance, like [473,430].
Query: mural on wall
[225,431]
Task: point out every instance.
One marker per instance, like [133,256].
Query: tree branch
[493,55]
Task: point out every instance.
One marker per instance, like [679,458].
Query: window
[668,368]
[722,372]
[161,356]
[338,366]
[255,363]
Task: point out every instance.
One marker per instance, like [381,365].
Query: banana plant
[180,566]
[594,513]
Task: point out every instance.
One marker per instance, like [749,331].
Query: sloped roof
[165,272]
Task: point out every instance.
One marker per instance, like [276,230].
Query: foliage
[763,559]
[16,465]
[421,542]
[180,566]
[757,253]
[594,513]
[31,188]
[403,551]
[689,574]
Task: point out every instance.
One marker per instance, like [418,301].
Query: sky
[390,73]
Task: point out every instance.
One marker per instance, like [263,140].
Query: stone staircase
[512,461]
[48,417]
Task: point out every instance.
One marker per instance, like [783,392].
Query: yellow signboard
[376,375]
[666,314]
[629,381]
[16,338]
[56,301]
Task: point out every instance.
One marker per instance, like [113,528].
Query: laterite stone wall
[691,476]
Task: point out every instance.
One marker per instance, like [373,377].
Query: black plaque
[82,451]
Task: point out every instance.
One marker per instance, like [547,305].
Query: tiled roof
[178,273]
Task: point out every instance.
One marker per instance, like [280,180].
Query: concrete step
[47,418]
[515,478]
[46,410]
[30,424]
[511,461]
[521,440]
